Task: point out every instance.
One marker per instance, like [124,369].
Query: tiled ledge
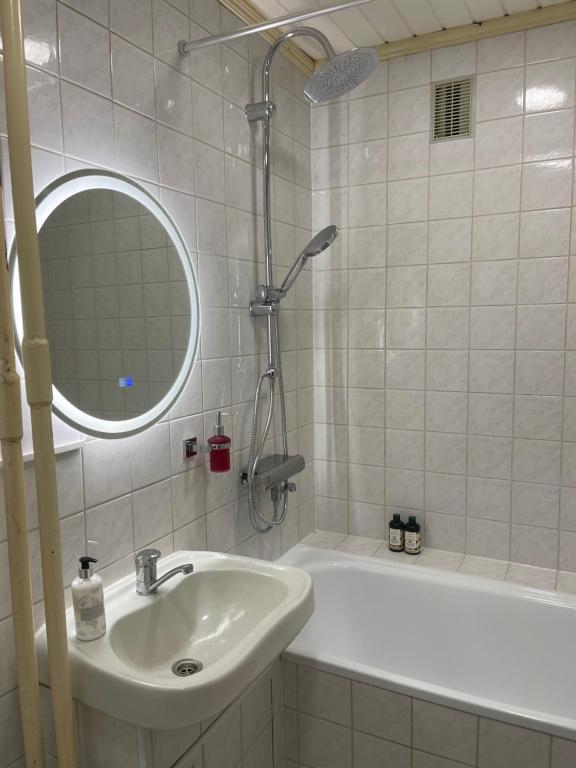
[501,570]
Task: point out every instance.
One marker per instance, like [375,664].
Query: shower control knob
[291,487]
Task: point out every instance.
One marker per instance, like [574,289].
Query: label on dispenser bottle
[91,612]
[412,542]
[396,539]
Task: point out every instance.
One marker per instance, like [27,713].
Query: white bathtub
[494,649]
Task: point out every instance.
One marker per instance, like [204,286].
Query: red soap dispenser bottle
[219,448]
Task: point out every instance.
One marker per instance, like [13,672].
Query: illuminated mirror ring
[47,202]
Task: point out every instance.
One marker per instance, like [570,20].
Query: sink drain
[186,667]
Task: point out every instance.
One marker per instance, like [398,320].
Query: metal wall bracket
[262,309]
[191,448]
[261,110]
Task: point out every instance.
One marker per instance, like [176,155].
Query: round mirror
[120,301]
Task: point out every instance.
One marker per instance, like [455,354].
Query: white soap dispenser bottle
[88,602]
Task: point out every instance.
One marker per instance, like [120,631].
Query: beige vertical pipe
[16,526]
[36,356]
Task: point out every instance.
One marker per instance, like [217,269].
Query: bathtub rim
[534,720]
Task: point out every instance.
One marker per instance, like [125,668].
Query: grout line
[516,316]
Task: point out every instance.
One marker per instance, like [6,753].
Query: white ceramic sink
[233,614]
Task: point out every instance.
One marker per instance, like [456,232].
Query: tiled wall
[445,367]
[442,343]
[334,722]
[107,87]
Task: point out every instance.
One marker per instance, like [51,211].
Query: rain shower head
[319,243]
[340,74]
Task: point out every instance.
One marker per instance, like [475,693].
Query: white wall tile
[501,52]
[499,142]
[563,752]
[454,61]
[446,493]
[499,742]
[548,135]
[539,373]
[152,507]
[488,538]
[545,233]
[323,695]
[497,190]
[536,460]
[369,750]
[110,526]
[550,86]
[451,195]
[547,184]
[132,19]
[408,156]
[410,71]
[553,42]
[500,94]
[495,237]
[324,744]
[87,125]
[448,285]
[494,283]
[535,504]
[368,119]
[84,51]
[488,498]
[444,732]
[132,76]
[409,111]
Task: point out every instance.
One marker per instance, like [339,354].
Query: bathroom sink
[177,657]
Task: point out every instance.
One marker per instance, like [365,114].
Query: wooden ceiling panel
[414,24]
[418,16]
[451,13]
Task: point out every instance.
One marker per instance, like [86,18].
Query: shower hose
[273,374]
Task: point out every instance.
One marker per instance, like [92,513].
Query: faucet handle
[147,557]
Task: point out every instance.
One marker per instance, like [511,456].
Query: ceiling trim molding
[250,14]
[516,22]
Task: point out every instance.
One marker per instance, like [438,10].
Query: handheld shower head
[340,74]
[319,243]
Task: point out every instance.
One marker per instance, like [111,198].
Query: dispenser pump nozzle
[219,427]
[85,570]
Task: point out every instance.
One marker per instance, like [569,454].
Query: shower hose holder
[261,110]
[267,301]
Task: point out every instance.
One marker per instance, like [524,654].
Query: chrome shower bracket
[263,308]
[259,111]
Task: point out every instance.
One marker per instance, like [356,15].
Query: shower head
[319,243]
[340,74]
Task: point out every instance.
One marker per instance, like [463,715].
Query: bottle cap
[396,517]
[412,519]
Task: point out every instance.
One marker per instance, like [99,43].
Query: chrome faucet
[147,581]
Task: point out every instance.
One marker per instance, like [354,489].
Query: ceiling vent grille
[452,109]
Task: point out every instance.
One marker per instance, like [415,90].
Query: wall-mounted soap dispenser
[219,445]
